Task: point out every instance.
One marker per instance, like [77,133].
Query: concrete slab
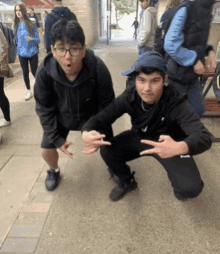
[17,179]
[3,160]
[15,245]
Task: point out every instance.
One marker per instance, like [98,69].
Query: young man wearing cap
[163,125]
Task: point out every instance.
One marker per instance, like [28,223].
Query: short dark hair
[148,71]
[68,31]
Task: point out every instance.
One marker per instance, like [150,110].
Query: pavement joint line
[6,161]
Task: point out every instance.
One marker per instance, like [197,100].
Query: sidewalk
[78,217]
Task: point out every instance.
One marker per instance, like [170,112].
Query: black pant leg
[34,64]
[125,147]
[183,175]
[4,103]
[25,69]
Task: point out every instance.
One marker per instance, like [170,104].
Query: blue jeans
[144,49]
[193,91]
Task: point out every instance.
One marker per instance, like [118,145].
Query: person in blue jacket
[186,46]
[27,40]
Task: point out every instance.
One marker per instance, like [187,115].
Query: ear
[84,50]
[53,51]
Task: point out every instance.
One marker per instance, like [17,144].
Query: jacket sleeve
[3,48]
[145,29]
[73,16]
[47,33]
[36,37]
[198,137]
[174,39]
[46,107]
[105,88]
[104,119]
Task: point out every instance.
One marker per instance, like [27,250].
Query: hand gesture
[166,147]
[28,38]
[64,148]
[199,68]
[93,140]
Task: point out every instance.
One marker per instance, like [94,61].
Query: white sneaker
[28,95]
[4,123]
[1,137]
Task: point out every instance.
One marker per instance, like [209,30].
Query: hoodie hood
[152,10]
[54,70]
[206,3]
[62,12]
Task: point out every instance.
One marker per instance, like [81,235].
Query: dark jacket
[172,116]
[36,18]
[56,14]
[196,32]
[70,103]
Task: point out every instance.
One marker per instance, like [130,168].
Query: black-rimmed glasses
[73,51]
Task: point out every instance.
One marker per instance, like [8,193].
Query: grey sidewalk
[78,217]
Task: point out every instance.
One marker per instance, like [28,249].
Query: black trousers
[24,65]
[4,103]
[182,171]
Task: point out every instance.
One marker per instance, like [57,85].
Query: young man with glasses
[72,85]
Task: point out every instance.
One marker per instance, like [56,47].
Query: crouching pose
[163,125]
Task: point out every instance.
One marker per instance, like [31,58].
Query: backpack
[9,35]
[71,16]
[163,27]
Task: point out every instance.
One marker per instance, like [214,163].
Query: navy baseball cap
[148,59]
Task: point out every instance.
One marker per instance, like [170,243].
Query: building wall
[88,16]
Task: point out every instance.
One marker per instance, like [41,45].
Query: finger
[96,137]
[89,150]
[149,142]
[149,151]
[163,137]
[101,143]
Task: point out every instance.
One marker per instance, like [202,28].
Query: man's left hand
[210,62]
[166,147]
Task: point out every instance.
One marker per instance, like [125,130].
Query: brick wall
[87,15]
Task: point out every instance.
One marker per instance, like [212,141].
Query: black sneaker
[113,177]
[52,179]
[123,187]
[180,196]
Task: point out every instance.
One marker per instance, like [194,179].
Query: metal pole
[107,22]
[137,10]
[110,19]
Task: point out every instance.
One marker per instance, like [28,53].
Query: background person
[5,71]
[148,24]
[163,125]
[57,13]
[186,48]
[72,85]
[27,39]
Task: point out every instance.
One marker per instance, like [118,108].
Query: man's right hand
[199,68]
[64,148]
[93,140]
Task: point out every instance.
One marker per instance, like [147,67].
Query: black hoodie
[172,116]
[56,14]
[71,103]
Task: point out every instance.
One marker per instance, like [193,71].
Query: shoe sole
[28,99]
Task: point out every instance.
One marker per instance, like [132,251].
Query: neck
[57,4]
[21,20]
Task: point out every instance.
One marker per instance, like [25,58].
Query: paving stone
[36,208]
[33,219]
[25,231]
[16,245]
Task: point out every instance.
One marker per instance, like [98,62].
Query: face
[69,63]
[18,12]
[31,12]
[144,4]
[149,87]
